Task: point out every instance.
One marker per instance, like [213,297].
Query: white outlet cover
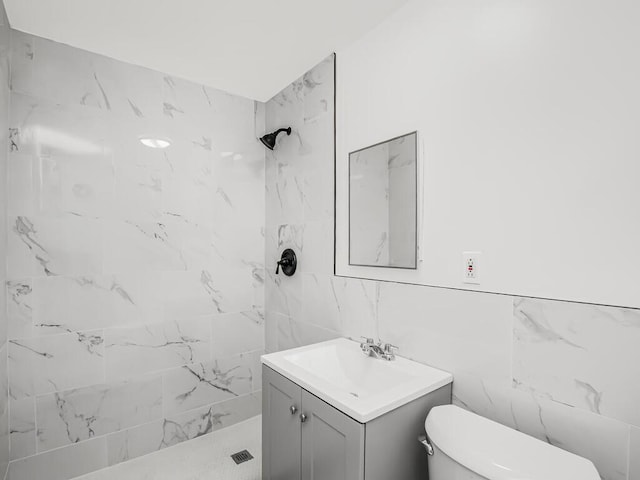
[471,267]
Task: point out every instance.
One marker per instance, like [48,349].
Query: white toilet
[465,446]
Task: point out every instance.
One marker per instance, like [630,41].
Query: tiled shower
[135,276]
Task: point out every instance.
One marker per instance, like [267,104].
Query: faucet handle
[389,350]
[367,340]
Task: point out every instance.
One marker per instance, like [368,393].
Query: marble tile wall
[135,283]
[563,372]
[4,129]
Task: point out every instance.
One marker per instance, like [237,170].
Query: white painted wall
[528,114]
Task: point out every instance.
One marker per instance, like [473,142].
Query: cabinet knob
[293,409]
[303,417]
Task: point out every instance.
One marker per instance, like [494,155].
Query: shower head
[269,140]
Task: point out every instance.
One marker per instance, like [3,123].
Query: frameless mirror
[383,204]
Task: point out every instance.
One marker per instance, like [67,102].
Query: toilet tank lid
[496,452]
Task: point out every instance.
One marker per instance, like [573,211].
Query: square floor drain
[241,457]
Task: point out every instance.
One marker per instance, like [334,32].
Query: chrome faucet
[372,349]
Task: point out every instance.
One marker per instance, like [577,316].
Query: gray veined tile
[58,362]
[77,415]
[292,334]
[69,304]
[140,246]
[283,294]
[81,184]
[579,355]
[207,291]
[201,384]
[201,421]
[20,183]
[48,246]
[158,346]
[22,427]
[460,332]
[235,333]
[5,445]
[134,442]
[19,308]
[321,300]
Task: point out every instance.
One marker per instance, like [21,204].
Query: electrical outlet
[471,266]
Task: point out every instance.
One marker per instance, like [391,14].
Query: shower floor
[204,458]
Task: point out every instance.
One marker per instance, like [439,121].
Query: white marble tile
[20,185]
[140,246]
[36,71]
[208,291]
[359,301]
[283,294]
[272,320]
[236,244]
[131,91]
[320,300]
[292,334]
[47,130]
[460,332]
[62,463]
[318,197]
[22,427]
[54,363]
[6,302]
[189,192]
[580,355]
[54,246]
[201,384]
[196,242]
[134,442]
[235,333]
[19,308]
[4,410]
[138,191]
[317,255]
[81,184]
[238,201]
[158,346]
[285,194]
[5,442]
[76,415]
[634,454]
[68,304]
[201,421]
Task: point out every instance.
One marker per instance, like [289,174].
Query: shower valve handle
[288,262]
[284,262]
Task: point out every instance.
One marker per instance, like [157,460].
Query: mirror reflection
[382,204]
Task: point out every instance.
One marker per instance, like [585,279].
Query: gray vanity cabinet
[332,442]
[281,432]
[304,437]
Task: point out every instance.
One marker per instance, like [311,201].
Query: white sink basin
[362,387]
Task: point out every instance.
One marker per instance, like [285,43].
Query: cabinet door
[280,427]
[332,443]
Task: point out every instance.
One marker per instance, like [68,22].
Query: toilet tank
[469,447]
